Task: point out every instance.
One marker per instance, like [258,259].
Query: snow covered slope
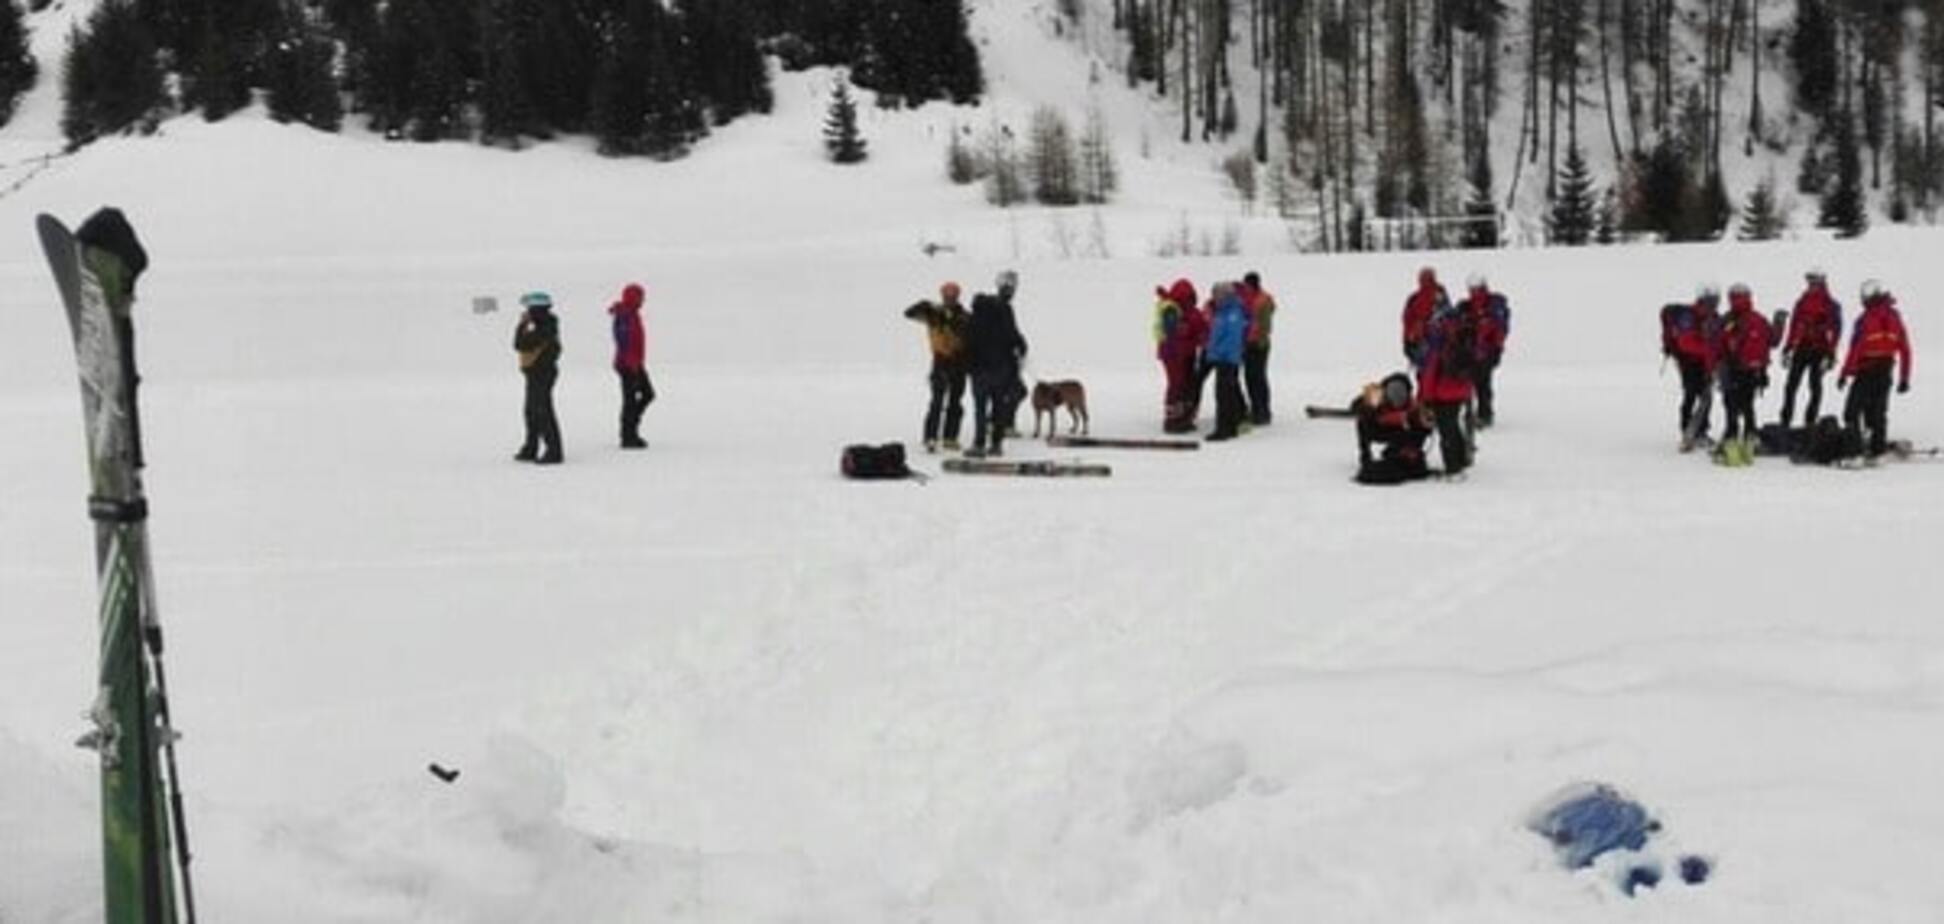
[714,682]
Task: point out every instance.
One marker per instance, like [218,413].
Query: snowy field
[714,682]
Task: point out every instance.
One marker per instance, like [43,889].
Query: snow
[715,682]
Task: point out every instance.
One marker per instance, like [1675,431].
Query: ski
[1110,442]
[144,873]
[1045,468]
[1314,411]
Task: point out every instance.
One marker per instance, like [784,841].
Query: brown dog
[1049,397]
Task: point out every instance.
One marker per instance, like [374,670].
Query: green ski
[144,868]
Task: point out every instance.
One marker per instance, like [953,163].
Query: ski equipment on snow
[141,790]
[1112,442]
[1046,468]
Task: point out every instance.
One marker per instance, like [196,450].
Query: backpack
[867,462]
[1673,317]
[1459,351]
[1827,442]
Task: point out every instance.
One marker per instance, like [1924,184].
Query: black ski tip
[109,230]
[444,775]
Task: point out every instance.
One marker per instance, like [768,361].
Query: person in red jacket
[630,354]
[1419,306]
[1878,345]
[1178,336]
[1815,327]
[1451,358]
[1691,336]
[1746,339]
[1494,319]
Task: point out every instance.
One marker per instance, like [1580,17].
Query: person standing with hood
[1815,327]
[1691,336]
[1746,338]
[1450,356]
[995,350]
[945,332]
[1228,334]
[537,341]
[1423,302]
[1878,346]
[630,353]
[1178,336]
[1494,318]
[1261,307]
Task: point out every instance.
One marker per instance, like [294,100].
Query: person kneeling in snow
[1388,415]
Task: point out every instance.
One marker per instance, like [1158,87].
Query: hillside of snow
[714,682]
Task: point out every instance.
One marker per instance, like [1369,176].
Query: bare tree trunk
[1754,77]
[1552,107]
[1627,41]
[1531,118]
[1606,87]
[1370,69]
[1187,72]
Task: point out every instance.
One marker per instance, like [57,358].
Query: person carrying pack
[1878,346]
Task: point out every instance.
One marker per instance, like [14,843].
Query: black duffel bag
[875,462]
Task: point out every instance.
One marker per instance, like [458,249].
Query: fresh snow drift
[715,682]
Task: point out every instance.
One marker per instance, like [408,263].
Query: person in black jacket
[537,340]
[994,349]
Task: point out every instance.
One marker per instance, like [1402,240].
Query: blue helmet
[536,300]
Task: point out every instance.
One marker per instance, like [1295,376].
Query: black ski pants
[1810,365]
[947,401]
[1454,444]
[637,392]
[1694,395]
[1738,393]
[1482,389]
[995,398]
[1228,401]
[542,427]
[1255,373]
[1869,406]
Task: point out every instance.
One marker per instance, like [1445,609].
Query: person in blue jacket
[1228,335]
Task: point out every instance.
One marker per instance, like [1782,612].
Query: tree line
[642,77]
[1385,108]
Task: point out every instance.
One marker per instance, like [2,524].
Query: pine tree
[1572,211]
[299,82]
[111,80]
[1761,219]
[1812,49]
[1843,207]
[1664,187]
[17,67]
[1099,174]
[842,139]
[1050,145]
[1004,184]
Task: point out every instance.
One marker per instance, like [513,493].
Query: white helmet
[1739,288]
[1873,290]
[1815,274]
[1476,281]
[1007,281]
[1707,292]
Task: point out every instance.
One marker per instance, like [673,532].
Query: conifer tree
[1055,180]
[17,67]
[1842,206]
[1761,219]
[111,80]
[842,139]
[300,84]
[1572,216]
